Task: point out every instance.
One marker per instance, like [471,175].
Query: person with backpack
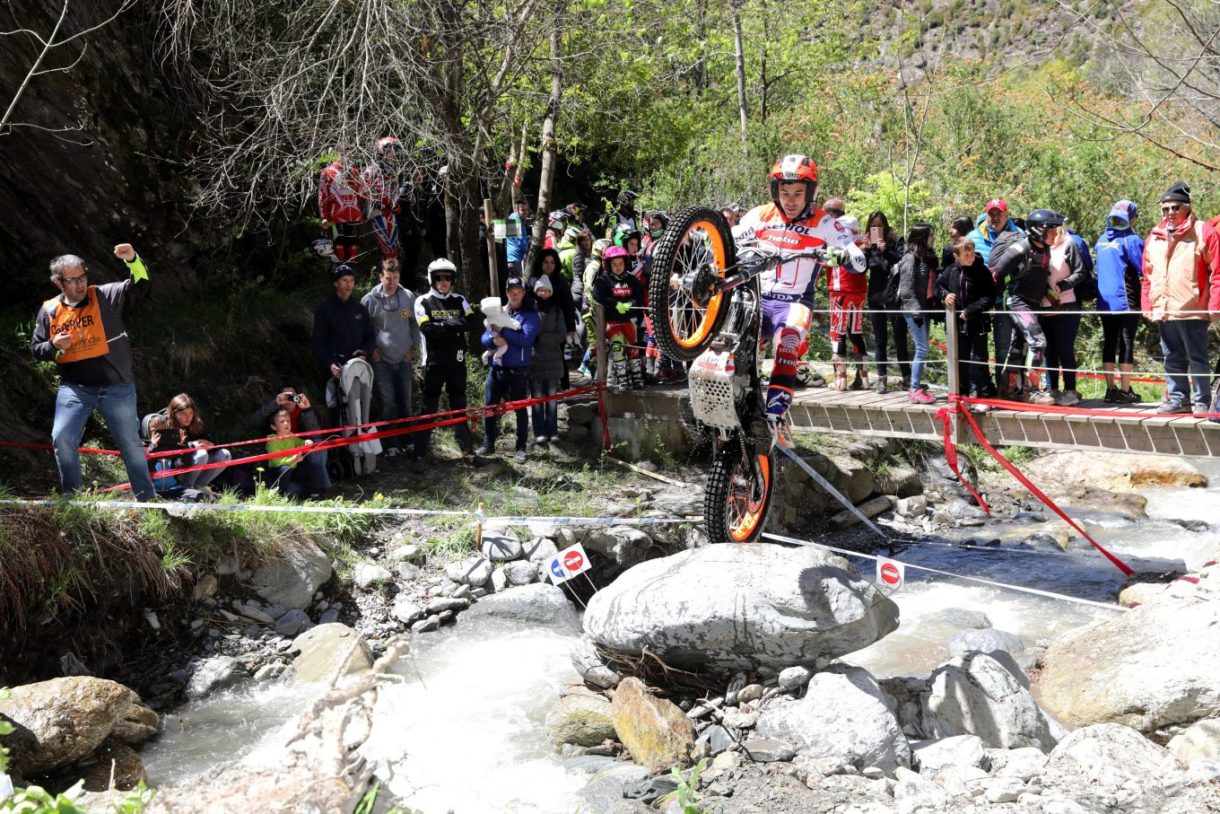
[1181,293]
[1068,276]
[916,298]
[1120,271]
[883,250]
[1021,267]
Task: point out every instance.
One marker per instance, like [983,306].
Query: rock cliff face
[91,158]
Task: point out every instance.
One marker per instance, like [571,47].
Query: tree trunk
[740,59]
[764,83]
[547,175]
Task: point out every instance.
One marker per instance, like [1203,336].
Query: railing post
[603,352]
[952,353]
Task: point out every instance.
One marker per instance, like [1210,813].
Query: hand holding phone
[875,235]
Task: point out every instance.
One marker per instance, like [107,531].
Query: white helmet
[441,264]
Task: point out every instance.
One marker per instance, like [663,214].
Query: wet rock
[986,640]
[114,759]
[448,604]
[270,672]
[1058,539]
[136,724]
[292,578]
[1118,472]
[589,664]
[501,546]
[740,607]
[472,571]
[427,625]
[539,603]
[330,649]
[293,623]
[655,731]
[624,545]
[521,572]
[210,675]
[1156,662]
[367,575]
[960,750]
[63,720]
[1200,742]
[767,750]
[844,715]
[581,719]
[985,695]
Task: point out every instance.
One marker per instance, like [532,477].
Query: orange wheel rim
[691,322]
[745,512]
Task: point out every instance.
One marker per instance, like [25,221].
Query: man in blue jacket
[508,378]
[988,228]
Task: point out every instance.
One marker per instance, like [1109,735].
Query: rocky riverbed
[763,664]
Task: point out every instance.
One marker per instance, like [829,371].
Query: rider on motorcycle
[794,223]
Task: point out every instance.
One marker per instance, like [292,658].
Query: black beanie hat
[1179,192]
[341,270]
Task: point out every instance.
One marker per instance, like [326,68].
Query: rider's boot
[840,373]
[881,385]
[636,370]
[861,380]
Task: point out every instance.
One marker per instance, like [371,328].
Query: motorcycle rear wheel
[690,258]
[735,504]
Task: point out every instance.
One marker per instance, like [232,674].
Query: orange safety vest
[84,323]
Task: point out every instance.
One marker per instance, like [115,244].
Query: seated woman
[183,430]
[298,474]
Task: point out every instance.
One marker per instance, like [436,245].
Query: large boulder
[63,720]
[1200,741]
[985,695]
[625,545]
[541,603]
[655,731]
[582,718]
[1149,668]
[741,607]
[844,715]
[114,759]
[215,673]
[330,649]
[1107,767]
[1116,472]
[291,578]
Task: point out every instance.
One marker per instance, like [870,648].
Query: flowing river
[463,729]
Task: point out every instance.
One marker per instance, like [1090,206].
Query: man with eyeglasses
[82,331]
[444,319]
[1181,292]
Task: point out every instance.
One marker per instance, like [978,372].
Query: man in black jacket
[444,319]
[342,329]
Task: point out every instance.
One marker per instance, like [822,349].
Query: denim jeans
[919,334]
[506,384]
[392,384]
[202,477]
[546,415]
[1184,343]
[117,404]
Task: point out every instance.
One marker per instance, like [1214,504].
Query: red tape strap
[1038,493]
[944,416]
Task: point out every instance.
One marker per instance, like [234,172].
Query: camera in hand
[296,398]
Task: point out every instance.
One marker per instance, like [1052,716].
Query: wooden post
[603,352]
[952,353]
[493,270]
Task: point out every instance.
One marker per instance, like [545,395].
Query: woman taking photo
[184,431]
[882,251]
[916,291]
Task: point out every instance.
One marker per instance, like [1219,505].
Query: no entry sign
[890,573]
[568,563]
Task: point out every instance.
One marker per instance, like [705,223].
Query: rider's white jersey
[795,280]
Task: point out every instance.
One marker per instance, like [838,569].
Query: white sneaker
[540,439]
[1068,398]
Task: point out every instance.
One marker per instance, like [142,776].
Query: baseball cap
[997,203]
[514,282]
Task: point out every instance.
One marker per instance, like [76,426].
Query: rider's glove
[836,257]
[622,307]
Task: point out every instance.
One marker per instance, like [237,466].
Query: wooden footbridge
[1105,427]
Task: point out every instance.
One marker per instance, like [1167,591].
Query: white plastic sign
[891,574]
[568,563]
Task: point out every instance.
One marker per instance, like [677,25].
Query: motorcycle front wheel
[738,494]
[690,260]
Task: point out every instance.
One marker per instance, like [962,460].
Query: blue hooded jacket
[984,238]
[1120,261]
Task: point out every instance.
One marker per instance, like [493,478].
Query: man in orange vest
[82,331]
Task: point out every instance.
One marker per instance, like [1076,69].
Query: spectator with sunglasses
[1181,293]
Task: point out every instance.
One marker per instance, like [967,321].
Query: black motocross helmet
[1039,221]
